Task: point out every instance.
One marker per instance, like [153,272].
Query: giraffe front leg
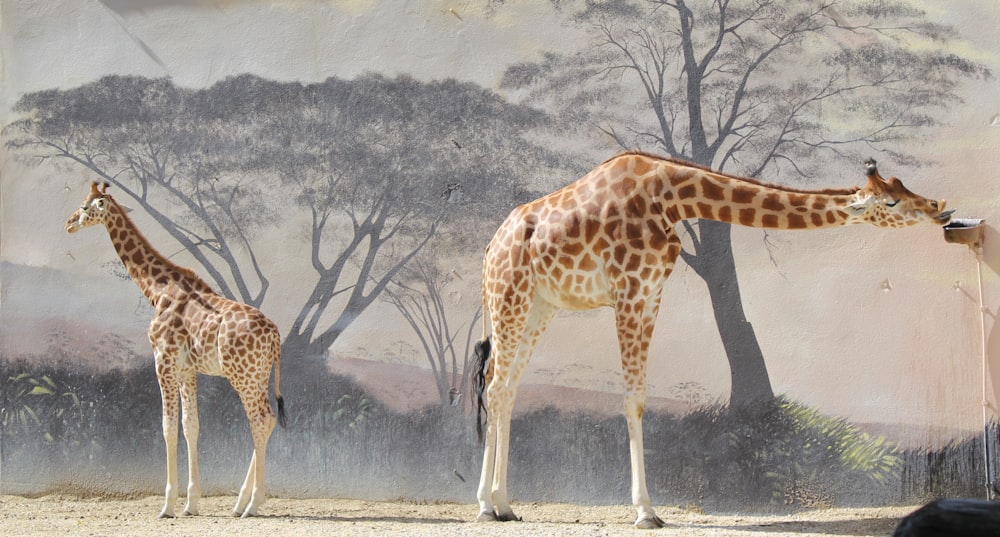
[635,329]
[646,518]
[170,438]
[189,408]
[167,376]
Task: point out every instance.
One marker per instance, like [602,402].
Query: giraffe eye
[892,203]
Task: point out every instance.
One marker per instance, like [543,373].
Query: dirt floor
[96,517]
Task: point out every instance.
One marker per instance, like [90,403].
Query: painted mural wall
[342,164]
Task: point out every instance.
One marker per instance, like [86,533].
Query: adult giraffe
[608,239]
[194,330]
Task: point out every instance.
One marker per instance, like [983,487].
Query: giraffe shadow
[851,526]
[385,519]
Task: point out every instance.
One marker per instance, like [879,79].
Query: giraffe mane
[750,180]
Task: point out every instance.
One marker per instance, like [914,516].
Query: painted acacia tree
[426,295]
[367,160]
[765,88]
[144,137]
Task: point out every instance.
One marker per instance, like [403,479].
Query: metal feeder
[967,231]
[970,232]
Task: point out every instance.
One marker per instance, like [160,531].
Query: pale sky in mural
[199,42]
[76,42]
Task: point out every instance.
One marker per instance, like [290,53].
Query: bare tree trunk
[714,262]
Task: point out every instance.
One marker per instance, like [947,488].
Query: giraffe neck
[699,193]
[154,274]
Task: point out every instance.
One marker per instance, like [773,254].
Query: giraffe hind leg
[258,493]
[247,489]
[488,512]
[515,343]
[262,421]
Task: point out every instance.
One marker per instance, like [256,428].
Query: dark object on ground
[952,517]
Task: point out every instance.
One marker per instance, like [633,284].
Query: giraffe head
[887,203]
[93,211]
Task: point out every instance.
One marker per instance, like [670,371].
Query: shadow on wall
[84,432]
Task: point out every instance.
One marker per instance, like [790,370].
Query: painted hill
[405,387]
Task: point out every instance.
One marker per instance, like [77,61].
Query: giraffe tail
[282,420]
[482,375]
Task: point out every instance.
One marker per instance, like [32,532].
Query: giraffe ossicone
[195,330]
[608,239]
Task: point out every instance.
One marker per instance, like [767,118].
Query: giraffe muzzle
[943,216]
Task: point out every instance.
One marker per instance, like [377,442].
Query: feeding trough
[967,231]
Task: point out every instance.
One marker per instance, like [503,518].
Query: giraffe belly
[209,365]
[203,354]
[194,357]
[575,291]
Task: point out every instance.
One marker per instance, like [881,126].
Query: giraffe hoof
[486,516]
[508,517]
[649,523]
[490,516]
[190,512]
[165,514]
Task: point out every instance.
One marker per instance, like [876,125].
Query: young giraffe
[194,330]
[608,239]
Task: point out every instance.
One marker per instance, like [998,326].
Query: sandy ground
[97,517]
